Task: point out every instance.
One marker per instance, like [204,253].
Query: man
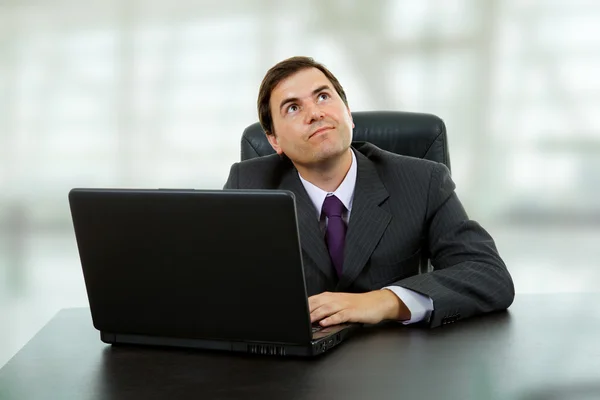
[366,216]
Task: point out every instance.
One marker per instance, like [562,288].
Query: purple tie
[336,231]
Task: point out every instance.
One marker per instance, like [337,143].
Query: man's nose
[314,113]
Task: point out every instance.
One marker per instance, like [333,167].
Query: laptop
[218,270]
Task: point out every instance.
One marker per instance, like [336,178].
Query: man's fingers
[317,300]
[313,302]
[323,311]
[337,318]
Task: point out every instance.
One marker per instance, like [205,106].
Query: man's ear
[274,143]
[350,115]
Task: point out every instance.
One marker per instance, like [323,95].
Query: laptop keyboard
[316,328]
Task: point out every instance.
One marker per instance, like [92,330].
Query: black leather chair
[410,134]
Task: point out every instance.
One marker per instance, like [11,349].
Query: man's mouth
[320,130]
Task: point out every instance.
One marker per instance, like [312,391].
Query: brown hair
[281,71]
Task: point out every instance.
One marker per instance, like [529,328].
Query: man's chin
[329,154]
[325,154]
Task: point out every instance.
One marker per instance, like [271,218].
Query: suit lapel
[311,238]
[367,221]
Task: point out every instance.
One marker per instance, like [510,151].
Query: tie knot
[333,207]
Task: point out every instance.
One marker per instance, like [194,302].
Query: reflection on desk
[544,347]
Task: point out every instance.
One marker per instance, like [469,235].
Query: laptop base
[316,347]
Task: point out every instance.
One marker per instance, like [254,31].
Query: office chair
[406,133]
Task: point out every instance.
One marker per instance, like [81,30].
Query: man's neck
[328,175]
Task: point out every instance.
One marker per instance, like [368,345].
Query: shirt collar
[344,192]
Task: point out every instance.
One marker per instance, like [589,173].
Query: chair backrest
[411,134]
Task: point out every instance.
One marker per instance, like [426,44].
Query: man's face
[310,120]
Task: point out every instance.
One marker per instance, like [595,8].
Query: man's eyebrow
[295,99]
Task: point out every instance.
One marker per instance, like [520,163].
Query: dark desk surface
[545,347]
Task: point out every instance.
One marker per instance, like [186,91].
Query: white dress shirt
[420,306]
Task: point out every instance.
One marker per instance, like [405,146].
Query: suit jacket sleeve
[232,180]
[469,277]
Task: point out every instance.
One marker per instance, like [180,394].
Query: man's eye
[323,96]
[292,108]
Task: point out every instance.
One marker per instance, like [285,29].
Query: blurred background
[156,93]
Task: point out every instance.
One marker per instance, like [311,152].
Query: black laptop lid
[193,264]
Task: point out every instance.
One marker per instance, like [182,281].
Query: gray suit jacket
[403,208]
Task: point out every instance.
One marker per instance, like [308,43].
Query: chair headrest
[406,133]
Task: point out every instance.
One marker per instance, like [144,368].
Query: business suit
[403,208]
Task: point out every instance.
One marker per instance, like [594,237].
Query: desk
[546,347]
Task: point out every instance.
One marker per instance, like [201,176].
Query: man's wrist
[395,308]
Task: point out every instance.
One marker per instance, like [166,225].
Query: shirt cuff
[419,305]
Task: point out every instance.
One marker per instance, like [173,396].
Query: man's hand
[369,308]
